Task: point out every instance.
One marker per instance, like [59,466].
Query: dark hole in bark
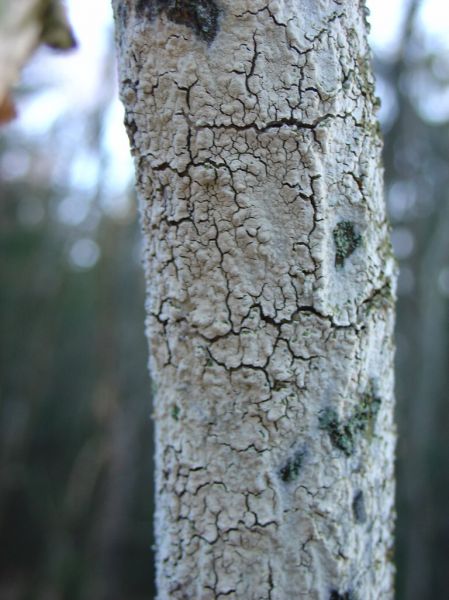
[199,15]
[344,596]
[290,470]
[358,507]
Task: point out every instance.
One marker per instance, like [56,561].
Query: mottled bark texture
[270,287]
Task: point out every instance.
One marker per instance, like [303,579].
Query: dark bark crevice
[202,16]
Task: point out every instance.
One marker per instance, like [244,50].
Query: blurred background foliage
[75,430]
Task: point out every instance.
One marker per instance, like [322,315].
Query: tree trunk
[270,286]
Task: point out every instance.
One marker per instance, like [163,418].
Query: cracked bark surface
[270,293]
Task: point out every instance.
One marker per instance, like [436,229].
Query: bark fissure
[269,300]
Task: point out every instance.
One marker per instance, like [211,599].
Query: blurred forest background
[75,398]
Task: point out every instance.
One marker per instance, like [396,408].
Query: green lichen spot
[175,412]
[343,434]
[346,241]
[290,471]
[366,413]
[382,299]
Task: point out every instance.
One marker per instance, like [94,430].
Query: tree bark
[270,293]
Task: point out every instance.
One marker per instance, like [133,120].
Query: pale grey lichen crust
[270,323]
